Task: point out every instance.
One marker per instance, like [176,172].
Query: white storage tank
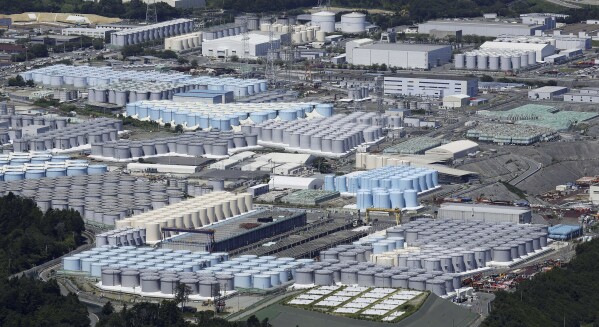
[470,61]
[353,23]
[481,61]
[458,61]
[324,19]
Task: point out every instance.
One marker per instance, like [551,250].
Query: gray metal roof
[404,47]
[483,208]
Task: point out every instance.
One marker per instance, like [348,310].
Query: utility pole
[270,72]
[245,46]
[151,14]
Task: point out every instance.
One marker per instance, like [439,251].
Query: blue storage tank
[299,113]
[397,199]
[383,199]
[411,197]
[76,170]
[4,162]
[341,184]
[39,159]
[325,109]
[59,158]
[204,122]
[329,182]
[35,173]
[131,109]
[56,172]
[263,86]
[416,184]
[288,115]
[258,117]
[222,123]
[1,176]
[180,117]
[364,199]
[422,182]
[352,183]
[19,161]
[97,169]
[435,178]
[234,120]
[14,176]
[167,115]
[242,115]
[155,113]
[272,114]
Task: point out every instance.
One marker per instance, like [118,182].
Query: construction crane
[209,232]
[396,211]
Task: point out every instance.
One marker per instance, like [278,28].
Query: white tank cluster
[337,134]
[19,121]
[348,264]
[127,236]
[220,31]
[90,76]
[221,116]
[152,32]
[195,144]
[387,187]
[495,59]
[183,42]
[353,23]
[253,22]
[191,213]
[100,198]
[146,270]
[301,34]
[73,136]
[451,246]
[121,93]
[20,166]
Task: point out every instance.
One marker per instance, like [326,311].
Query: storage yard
[308,168]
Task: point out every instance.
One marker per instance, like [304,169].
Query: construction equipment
[209,232]
[396,211]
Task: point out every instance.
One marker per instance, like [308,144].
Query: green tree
[234,58]
[182,61]
[383,68]
[30,83]
[107,309]
[17,81]
[194,63]
[486,78]
[182,292]
[132,50]
[39,51]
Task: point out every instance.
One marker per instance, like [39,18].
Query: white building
[96,33]
[594,194]
[456,101]
[183,42]
[560,42]
[351,45]
[454,150]
[546,92]
[295,183]
[258,45]
[430,86]
[486,213]
[541,50]
[479,27]
[178,3]
[400,55]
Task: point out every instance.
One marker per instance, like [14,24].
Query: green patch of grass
[514,189]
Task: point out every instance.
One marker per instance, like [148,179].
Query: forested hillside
[30,237]
[569,295]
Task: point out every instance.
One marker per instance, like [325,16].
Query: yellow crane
[396,211]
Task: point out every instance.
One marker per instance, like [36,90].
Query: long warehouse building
[400,55]
[477,27]
[486,213]
[258,45]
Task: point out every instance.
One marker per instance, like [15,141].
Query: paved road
[533,167]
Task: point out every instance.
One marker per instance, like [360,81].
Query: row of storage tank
[454,245]
[220,31]
[336,134]
[183,42]
[127,236]
[158,270]
[121,93]
[190,144]
[387,187]
[91,76]
[254,22]
[222,116]
[73,136]
[98,198]
[152,32]
[191,213]
[494,61]
[18,121]
[348,264]
[49,169]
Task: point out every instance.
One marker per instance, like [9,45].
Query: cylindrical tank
[470,61]
[458,61]
[353,23]
[324,19]
[481,61]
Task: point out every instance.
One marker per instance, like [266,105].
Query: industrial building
[479,27]
[152,32]
[294,183]
[587,94]
[226,47]
[456,101]
[430,85]
[547,92]
[180,4]
[560,42]
[98,33]
[541,50]
[487,213]
[594,194]
[454,150]
[206,96]
[503,56]
[353,23]
[400,55]
[224,30]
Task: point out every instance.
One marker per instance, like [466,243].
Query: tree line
[566,296]
[31,237]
